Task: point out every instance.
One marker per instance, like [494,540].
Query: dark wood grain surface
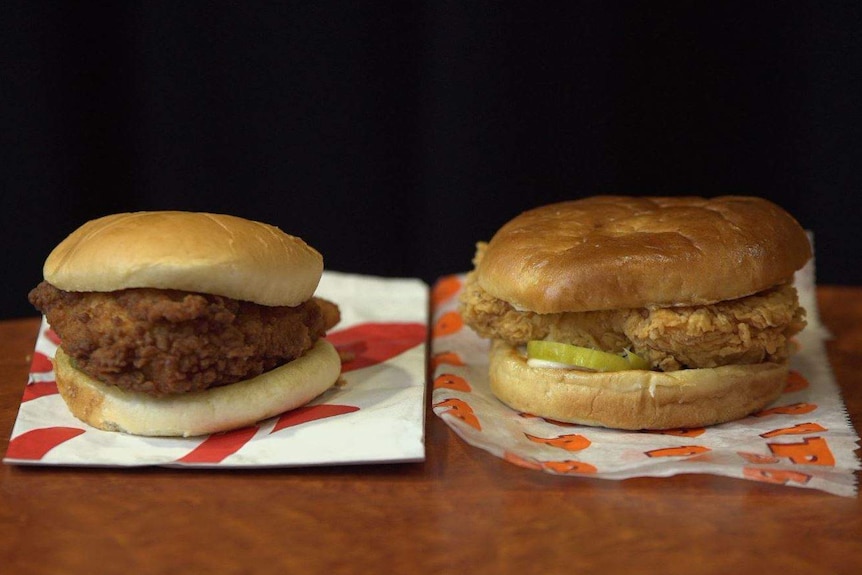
[460,511]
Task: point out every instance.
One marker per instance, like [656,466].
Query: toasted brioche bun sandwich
[640,312]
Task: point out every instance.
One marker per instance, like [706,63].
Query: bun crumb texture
[610,252]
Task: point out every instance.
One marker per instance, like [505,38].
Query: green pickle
[584,357]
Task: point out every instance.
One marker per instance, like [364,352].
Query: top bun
[616,252]
[196,252]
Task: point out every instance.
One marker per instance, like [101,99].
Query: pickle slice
[635,361]
[583,357]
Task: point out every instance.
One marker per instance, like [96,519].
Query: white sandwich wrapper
[374,414]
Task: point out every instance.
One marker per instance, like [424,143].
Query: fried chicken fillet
[748,330]
[169,341]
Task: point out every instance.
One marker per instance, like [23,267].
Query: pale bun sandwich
[161,276]
[693,295]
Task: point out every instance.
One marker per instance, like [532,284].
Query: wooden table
[461,511]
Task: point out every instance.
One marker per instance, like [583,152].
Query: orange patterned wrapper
[804,439]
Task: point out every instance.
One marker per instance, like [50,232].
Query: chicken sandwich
[637,312]
[181,323]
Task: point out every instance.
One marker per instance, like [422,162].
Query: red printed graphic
[793,409]
[52,336]
[462,410]
[795,382]
[372,343]
[811,451]
[444,289]
[569,442]
[570,467]
[39,389]
[34,444]
[218,446]
[448,324]
[678,451]
[798,429]
[757,458]
[445,358]
[775,476]
[451,381]
[40,363]
[308,413]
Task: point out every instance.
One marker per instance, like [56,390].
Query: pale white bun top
[190,251]
[616,252]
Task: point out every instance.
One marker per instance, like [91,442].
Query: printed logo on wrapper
[569,441]
[803,440]
[386,352]
[451,381]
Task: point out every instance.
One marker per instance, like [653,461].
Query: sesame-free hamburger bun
[701,289]
[189,251]
[184,323]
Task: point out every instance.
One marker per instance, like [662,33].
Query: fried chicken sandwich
[181,323]
[637,312]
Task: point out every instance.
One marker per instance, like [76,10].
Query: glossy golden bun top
[190,251]
[611,252]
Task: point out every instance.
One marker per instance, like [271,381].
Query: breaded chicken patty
[169,341]
[747,330]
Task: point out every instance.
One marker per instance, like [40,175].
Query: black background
[393,135]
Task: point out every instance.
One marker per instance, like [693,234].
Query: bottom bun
[636,399]
[198,413]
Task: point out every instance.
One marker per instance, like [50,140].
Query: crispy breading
[748,330]
[168,341]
